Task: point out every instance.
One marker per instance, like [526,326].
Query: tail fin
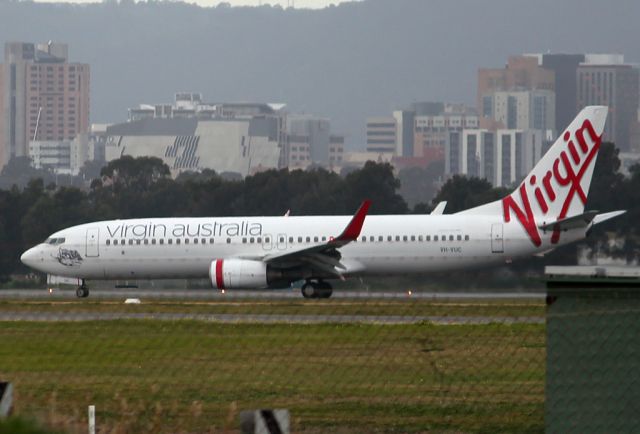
[558,185]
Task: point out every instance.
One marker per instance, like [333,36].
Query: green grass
[169,376]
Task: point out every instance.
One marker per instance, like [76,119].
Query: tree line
[143,187]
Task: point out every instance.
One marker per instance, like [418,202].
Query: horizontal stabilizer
[439,209]
[574,222]
[608,215]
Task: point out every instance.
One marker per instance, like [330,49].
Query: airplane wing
[325,256]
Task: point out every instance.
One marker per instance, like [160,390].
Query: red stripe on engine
[219,278]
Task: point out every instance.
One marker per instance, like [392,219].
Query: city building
[44,97]
[502,157]
[243,146]
[432,128]
[405,135]
[564,67]
[520,73]
[317,130]
[381,135]
[522,109]
[416,136]
[606,80]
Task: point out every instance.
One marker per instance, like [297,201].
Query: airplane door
[282,241]
[497,240]
[266,242]
[93,238]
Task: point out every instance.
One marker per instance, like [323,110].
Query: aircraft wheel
[324,290]
[308,290]
[80,293]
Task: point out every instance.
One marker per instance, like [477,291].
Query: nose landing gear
[319,289]
[82,291]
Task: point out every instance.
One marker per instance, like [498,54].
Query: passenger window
[435,238]
[450,237]
[389,238]
[299,239]
[308,239]
[315,239]
[146,241]
[115,242]
[404,238]
[153,241]
[372,238]
[170,241]
[195,241]
[397,237]
[177,240]
[130,242]
[138,242]
[252,240]
[290,239]
[122,242]
[324,238]
[228,240]
[420,238]
[203,241]
[260,240]
[413,237]
[282,239]
[161,240]
[459,237]
[466,237]
[428,237]
[108,242]
[381,238]
[210,240]
[186,240]
[364,239]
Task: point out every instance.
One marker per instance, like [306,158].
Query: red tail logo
[567,171]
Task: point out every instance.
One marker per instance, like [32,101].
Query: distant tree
[377,182]
[463,193]
[137,174]
[419,184]
[90,170]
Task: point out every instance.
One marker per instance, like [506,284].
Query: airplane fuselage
[186,247]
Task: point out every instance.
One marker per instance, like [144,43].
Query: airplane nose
[29,257]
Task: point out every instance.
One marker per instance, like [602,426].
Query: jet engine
[238,274]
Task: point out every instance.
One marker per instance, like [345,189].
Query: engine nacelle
[238,274]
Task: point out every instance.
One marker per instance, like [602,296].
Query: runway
[264,318]
[211,294]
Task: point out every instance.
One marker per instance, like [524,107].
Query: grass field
[190,376]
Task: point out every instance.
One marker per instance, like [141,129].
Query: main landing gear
[319,289]
[82,291]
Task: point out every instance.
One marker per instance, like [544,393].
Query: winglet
[439,210]
[354,227]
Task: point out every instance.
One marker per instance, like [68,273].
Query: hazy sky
[314,4]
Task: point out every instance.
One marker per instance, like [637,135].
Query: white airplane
[544,212]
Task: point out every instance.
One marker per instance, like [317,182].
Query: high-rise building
[520,73]
[502,157]
[45,98]
[606,80]
[564,67]
[381,135]
[522,109]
